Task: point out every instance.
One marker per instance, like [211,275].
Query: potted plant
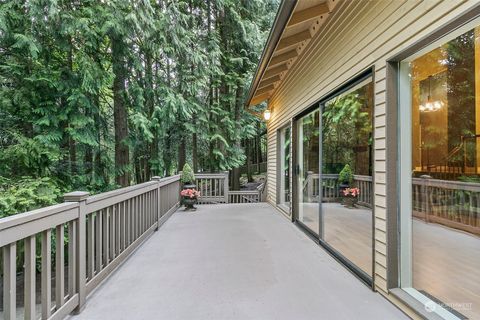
[188,177]
[345,178]
[189,198]
[189,192]
[350,197]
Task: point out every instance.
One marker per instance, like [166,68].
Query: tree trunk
[152,162]
[249,161]
[120,115]
[195,152]
[259,144]
[238,143]
[181,154]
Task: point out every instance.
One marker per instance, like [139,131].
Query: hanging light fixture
[430,105]
[267,114]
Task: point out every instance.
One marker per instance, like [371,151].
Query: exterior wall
[360,34]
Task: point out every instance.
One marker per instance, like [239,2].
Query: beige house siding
[359,35]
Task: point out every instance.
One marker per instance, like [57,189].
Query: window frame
[350,83]
[400,152]
[279,166]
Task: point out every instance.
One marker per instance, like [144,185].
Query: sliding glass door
[333,172]
[307,170]
[347,187]
[284,163]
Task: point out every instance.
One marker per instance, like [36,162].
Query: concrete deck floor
[237,261]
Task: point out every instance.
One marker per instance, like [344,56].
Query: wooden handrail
[103,230]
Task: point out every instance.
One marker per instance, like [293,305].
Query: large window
[346,168]
[439,175]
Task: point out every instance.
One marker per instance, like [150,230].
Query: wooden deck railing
[214,188]
[331,191]
[455,204]
[81,242]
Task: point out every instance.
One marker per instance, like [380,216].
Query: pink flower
[191,193]
[351,192]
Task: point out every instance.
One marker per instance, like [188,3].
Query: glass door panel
[285,137]
[347,174]
[308,170]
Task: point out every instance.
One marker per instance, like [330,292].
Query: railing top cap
[76,196]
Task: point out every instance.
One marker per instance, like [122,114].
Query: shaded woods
[100,94]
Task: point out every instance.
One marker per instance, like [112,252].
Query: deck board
[242,261]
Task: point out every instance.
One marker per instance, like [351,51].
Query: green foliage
[346,175]
[187,174]
[27,194]
[346,125]
[186,68]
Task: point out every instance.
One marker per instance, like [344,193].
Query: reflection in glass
[446,182]
[285,167]
[308,163]
[347,169]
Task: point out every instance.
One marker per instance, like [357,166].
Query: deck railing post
[157,178]
[425,205]
[81,245]
[310,186]
[226,186]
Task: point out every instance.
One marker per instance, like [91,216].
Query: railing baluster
[30,279]
[90,246]
[138,217]
[123,228]
[210,181]
[144,211]
[46,274]
[112,232]
[9,281]
[145,206]
[98,240]
[130,221]
[119,229]
[150,208]
[106,237]
[59,267]
[72,253]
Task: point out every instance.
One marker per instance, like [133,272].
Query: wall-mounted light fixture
[267,114]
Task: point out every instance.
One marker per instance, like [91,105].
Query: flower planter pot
[342,186]
[350,202]
[189,203]
[189,185]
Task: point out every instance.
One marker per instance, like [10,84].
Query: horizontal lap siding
[272,165]
[358,35]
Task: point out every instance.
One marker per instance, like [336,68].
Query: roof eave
[281,20]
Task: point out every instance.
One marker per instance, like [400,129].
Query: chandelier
[430,105]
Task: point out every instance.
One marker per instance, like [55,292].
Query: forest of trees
[95,95]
